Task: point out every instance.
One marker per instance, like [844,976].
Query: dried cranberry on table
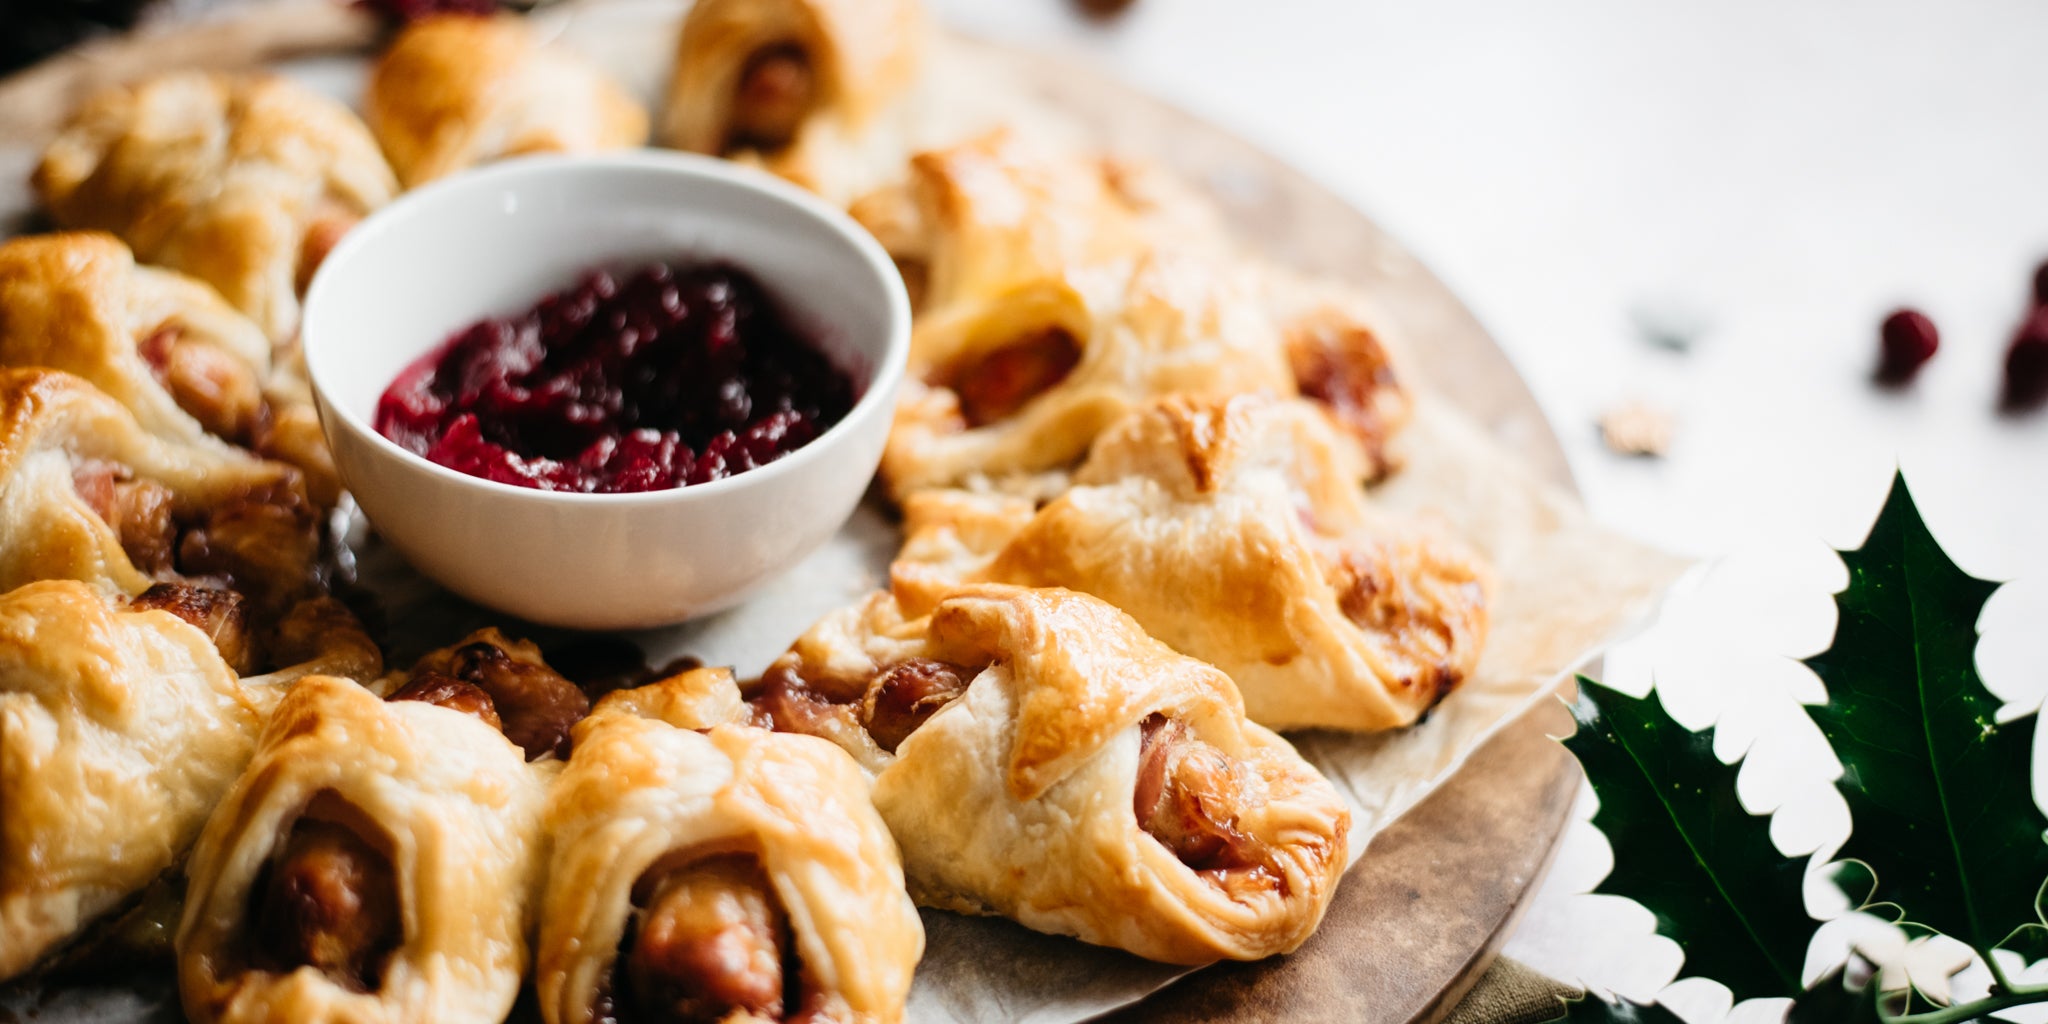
[1909,341]
[664,378]
[2026,364]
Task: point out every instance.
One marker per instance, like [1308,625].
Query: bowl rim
[883,379]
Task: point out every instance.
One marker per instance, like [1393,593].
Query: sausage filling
[537,706]
[907,695]
[777,89]
[708,940]
[140,512]
[210,385]
[1371,596]
[219,614]
[443,690]
[329,901]
[1188,797]
[993,385]
[1348,372]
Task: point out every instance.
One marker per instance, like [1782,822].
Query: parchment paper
[1568,588]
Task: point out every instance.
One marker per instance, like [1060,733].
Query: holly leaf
[1939,791]
[1834,999]
[1592,1009]
[1685,848]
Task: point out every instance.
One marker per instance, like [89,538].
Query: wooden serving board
[1421,915]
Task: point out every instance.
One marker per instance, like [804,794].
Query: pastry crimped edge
[1017,798]
[119,730]
[1218,526]
[456,90]
[643,785]
[459,815]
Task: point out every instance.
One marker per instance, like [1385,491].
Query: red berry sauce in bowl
[669,376]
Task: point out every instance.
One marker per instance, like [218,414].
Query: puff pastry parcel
[1057,292]
[242,181]
[803,86]
[729,873]
[458,90]
[1238,531]
[378,861]
[1038,756]
[165,345]
[87,494]
[120,728]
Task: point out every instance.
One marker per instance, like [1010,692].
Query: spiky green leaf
[1685,848]
[1937,788]
[1835,1000]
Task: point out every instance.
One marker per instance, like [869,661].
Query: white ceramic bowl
[494,242]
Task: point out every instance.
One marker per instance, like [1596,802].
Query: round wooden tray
[1421,915]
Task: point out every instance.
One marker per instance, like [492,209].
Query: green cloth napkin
[1511,993]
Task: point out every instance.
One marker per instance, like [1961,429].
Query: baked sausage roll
[242,181]
[87,494]
[1239,532]
[120,728]
[1045,760]
[730,873]
[1056,293]
[798,85]
[378,861]
[165,345]
[454,91]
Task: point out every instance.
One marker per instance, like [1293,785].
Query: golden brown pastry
[728,873]
[1055,293]
[803,86]
[87,494]
[165,345]
[1238,531]
[1039,757]
[243,181]
[120,728]
[456,90]
[378,861]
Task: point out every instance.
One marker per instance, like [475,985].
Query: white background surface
[1782,174]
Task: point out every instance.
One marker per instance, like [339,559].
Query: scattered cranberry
[414,10]
[2041,285]
[2026,364]
[664,379]
[1910,340]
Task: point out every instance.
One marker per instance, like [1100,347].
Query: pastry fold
[777,825]
[378,861]
[87,494]
[120,728]
[165,345]
[454,91]
[243,181]
[804,87]
[1237,531]
[1057,292]
[1039,757]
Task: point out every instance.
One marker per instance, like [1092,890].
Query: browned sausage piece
[537,706]
[330,902]
[776,90]
[209,384]
[1188,797]
[138,510]
[218,613]
[906,695]
[993,385]
[449,692]
[711,941]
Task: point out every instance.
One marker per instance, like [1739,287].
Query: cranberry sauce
[664,378]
